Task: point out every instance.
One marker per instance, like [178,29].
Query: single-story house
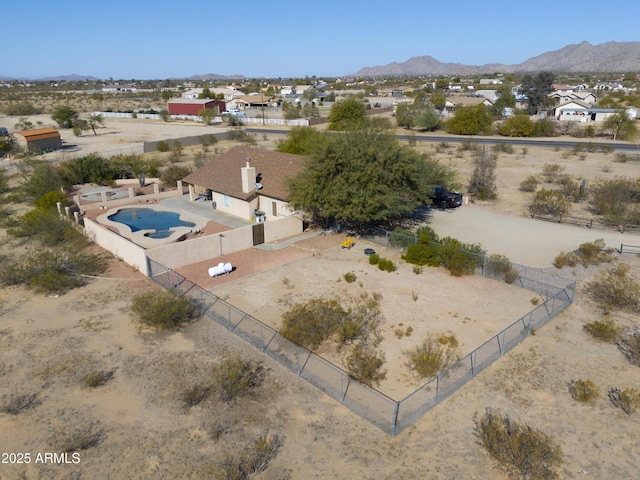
[587,97]
[40,140]
[117,88]
[579,111]
[246,182]
[451,103]
[193,106]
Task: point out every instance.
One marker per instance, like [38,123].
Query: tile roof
[223,173]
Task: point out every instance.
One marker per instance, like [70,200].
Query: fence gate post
[396,407]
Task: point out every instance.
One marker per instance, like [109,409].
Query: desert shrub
[503,148]
[482,184]
[16,404]
[70,439]
[420,255]
[360,322]
[551,171]
[350,277]
[262,451]
[163,309]
[51,271]
[584,391]
[617,200]
[312,323]
[570,187]
[236,376]
[549,202]
[195,394]
[364,364]
[374,259]
[162,146]
[460,258]
[629,345]
[450,340]
[605,330]
[615,288]
[426,234]
[529,184]
[523,450]
[97,378]
[594,253]
[566,259]
[401,238]
[628,399]
[45,226]
[517,126]
[387,265]
[499,266]
[430,357]
[173,173]
[20,109]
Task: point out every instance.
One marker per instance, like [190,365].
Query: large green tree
[536,89]
[620,126]
[365,177]
[347,114]
[64,116]
[418,116]
[470,121]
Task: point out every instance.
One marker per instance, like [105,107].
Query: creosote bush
[236,376]
[97,378]
[499,266]
[431,357]
[605,330]
[16,404]
[584,391]
[163,309]
[83,437]
[615,288]
[350,277]
[566,259]
[364,364]
[628,399]
[595,253]
[526,452]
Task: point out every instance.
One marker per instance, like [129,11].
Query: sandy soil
[143,429]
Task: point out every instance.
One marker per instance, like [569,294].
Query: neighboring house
[238,103]
[192,93]
[579,111]
[116,88]
[490,81]
[193,106]
[587,97]
[560,88]
[249,183]
[490,94]
[40,140]
[452,103]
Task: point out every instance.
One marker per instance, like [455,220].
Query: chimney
[248,177]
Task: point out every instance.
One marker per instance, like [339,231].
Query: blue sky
[139,39]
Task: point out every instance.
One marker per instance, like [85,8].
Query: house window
[227,202]
[274,209]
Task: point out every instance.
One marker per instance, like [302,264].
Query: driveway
[523,240]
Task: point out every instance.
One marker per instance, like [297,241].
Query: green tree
[620,126]
[43,179]
[94,121]
[347,114]
[517,126]
[482,184]
[418,115]
[301,141]
[470,121]
[438,100]
[8,145]
[365,177]
[536,89]
[207,115]
[64,116]
[505,99]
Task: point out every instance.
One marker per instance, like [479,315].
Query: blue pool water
[148,219]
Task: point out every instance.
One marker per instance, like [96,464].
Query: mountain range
[610,57]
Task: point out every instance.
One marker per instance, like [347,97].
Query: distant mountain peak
[608,57]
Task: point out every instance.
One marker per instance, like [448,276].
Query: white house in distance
[579,111]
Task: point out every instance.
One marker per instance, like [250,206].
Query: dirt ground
[142,429]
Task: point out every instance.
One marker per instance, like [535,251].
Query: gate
[258,233]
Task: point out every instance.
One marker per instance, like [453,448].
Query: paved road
[522,239]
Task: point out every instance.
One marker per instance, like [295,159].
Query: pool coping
[139,237]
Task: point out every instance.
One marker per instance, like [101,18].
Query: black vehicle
[445,199]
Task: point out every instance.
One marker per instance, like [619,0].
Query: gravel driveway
[524,240]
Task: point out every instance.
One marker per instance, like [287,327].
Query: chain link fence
[391,416]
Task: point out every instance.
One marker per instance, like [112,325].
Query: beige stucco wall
[282,228]
[197,250]
[122,248]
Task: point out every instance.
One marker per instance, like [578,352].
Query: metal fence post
[396,407]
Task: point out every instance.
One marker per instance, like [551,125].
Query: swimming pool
[149,219]
[152,225]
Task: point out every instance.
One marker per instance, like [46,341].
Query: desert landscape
[139,426]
